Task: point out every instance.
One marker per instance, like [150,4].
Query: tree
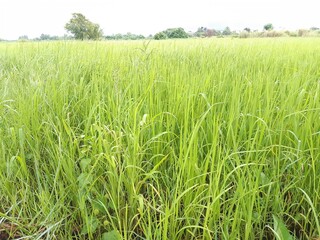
[47,37]
[160,36]
[247,29]
[171,33]
[268,27]
[210,33]
[23,38]
[82,28]
[201,31]
[226,31]
[176,33]
[205,32]
[44,37]
[128,36]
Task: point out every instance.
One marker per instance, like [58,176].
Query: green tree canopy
[268,27]
[226,31]
[176,33]
[82,28]
[160,36]
[172,33]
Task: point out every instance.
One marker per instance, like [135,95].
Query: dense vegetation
[189,139]
[171,33]
[93,32]
[82,28]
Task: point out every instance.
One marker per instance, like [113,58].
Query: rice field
[186,139]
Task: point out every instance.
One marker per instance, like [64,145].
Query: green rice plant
[178,139]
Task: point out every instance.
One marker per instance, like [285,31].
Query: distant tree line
[45,37]
[207,32]
[128,36]
[202,32]
[81,28]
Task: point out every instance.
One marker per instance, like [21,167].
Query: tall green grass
[192,139]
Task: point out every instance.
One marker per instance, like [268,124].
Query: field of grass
[191,139]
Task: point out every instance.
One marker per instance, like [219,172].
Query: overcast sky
[34,17]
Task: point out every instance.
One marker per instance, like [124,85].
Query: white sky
[34,17]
